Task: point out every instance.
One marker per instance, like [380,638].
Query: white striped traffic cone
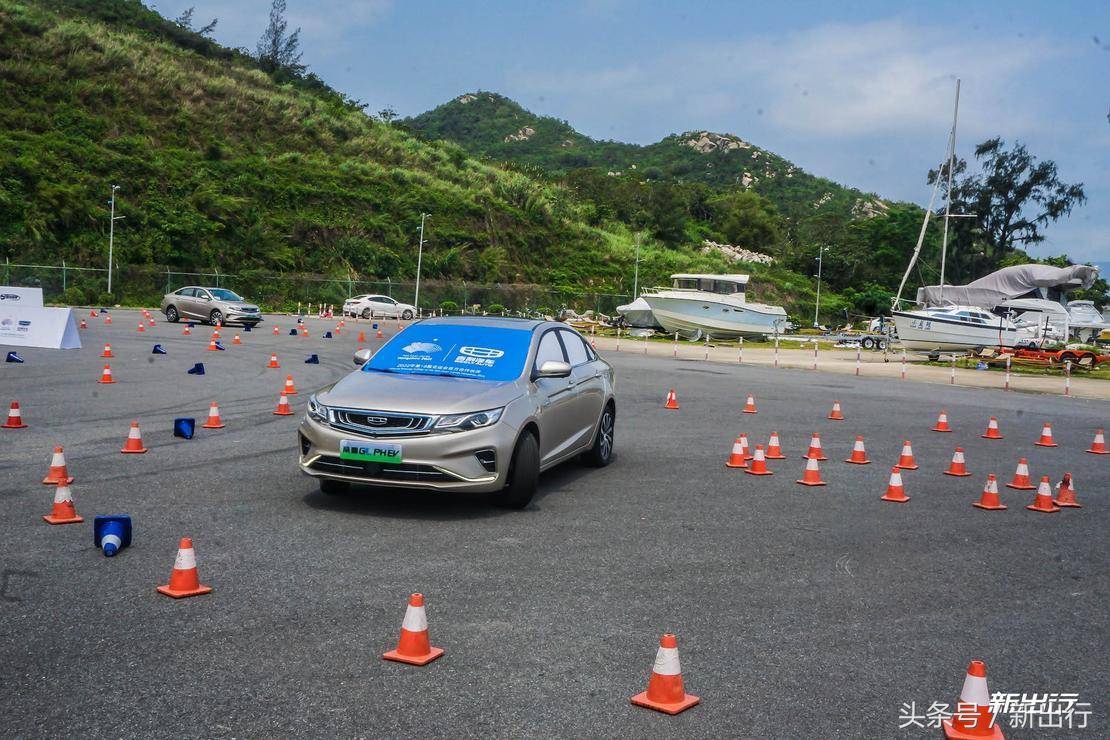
[666,692]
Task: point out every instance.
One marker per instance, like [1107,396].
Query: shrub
[495,308]
[106,299]
[74,296]
[449,306]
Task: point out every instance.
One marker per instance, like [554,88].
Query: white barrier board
[30,326]
[13,296]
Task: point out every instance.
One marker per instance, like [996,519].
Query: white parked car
[377,306]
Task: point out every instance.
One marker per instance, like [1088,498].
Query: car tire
[406,315]
[334,487]
[601,453]
[524,474]
[215,317]
[367,313]
[171,314]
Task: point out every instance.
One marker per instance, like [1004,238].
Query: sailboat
[941,325]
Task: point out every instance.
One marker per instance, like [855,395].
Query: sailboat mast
[948,199]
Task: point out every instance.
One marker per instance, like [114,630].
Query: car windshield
[458,351]
[223,294]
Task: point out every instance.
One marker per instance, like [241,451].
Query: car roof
[504,322]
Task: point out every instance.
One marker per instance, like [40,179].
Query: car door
[555,401]
[386,306]
[187,304]
[589,386]
[202,305]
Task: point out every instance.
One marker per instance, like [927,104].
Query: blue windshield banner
[478,352]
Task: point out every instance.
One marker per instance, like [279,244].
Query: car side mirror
[362,356]
[206,297]
[553,369]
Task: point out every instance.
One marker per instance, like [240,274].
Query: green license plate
[363,451]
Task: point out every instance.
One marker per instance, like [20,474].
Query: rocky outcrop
[523,134]
[736,254]
[869,208]
[707,142]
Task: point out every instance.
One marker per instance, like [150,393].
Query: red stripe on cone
[894,490]
[1098,447]
[15,418]
[414,646]
[989,499]
[58,472]
[1065,493]
[1043,501]
[958,466]
[666,692]
[184,579]
[973,718]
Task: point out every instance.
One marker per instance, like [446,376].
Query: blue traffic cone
[158,350]
[219,346]
[197,369]
[327,335]
[103,310]
[292,332]
[112,533]
[13,357]
[374,326]
[184,427]
[246,327]
[312,360]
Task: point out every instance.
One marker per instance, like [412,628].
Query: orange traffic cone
[83,325]
[134,443]
[1046,437]
[304,332]
[141,328]
[859,454]
[906,461]
[749,406]
[1021,480]
[92,314]
[64,511]
[835,414]
[58,472]
[186,332]
[150,322]
[236,340]
[665,692]
[106,376]
[1043,501]
[736,458]
[973,719]
[107,351]
[361,336]
[672,400]
[992,430]
[379,335]
[894,490]
[812,475]
[212,346]
[108,320]
[815,450]
[276,331]
[414,647]
[957,467]
[215,333]
[214,421]
[1065,493]
[290,389]
[1098,447]
[15,418]
[274,361]
[990,500]
[283,407]
[774,449]
[184,580]
[942,422]
[759,463]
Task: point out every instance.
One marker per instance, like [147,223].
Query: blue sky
[859,92]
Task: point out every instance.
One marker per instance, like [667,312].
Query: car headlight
[473,420]
[317,410]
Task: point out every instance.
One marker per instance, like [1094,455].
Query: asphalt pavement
[800,612]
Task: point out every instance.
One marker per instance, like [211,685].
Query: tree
[747,220]
[387,115]
[1013,199]
[185,20]
[278,49]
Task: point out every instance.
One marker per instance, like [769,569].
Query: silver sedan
[463,404]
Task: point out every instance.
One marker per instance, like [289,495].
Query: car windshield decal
[477,352]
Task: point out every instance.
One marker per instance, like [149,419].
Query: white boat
[638,314]
[713,304]
[1085,320]
[946,328]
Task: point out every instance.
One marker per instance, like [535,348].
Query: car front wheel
[524,475]
[601,454]
[366,313]
[406,315]
[216,317]
[171,315]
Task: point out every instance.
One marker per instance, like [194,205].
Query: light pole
[419,262]
[636,274]
[112,234]
[820,260]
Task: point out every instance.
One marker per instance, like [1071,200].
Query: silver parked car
[463,404]
[211,305]
[378,306]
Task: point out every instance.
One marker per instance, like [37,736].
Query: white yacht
[946,328]
[713,304]
[1085,321]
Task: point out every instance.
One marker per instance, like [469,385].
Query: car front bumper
[442,462]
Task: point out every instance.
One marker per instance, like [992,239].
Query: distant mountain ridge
[494,126]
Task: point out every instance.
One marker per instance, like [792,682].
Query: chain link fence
[145,286]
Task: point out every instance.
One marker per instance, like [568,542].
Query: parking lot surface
[800,612]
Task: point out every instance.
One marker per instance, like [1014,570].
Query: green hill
[494,126]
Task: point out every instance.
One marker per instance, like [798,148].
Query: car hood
[239,304]
[424,394]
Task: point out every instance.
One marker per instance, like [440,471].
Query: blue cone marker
[112,533]
[312,360]
[292,332]
[197,369]
[158,350]
[13,357]
[184,427]
[246,327]
[327,335]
